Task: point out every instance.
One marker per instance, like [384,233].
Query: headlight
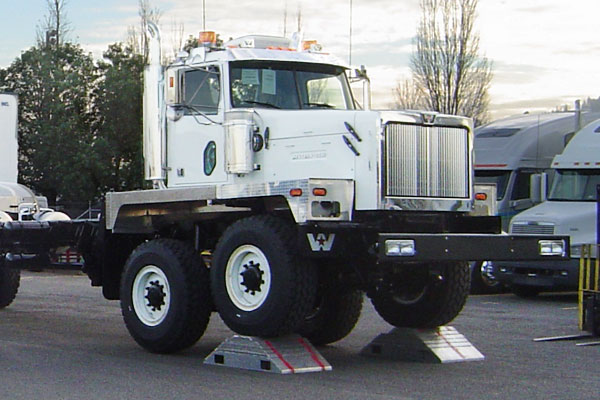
[552,247]
[400,248]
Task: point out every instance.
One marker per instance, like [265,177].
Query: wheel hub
[151,295]
[155,295]
[248,277]
[252,277]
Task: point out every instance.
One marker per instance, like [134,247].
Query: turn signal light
[481,196]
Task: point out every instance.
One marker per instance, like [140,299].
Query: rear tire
[10,279]
[335,314]
[165,296]
[260,286]
[427,303]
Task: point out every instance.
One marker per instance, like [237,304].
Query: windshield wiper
[260,103]
[325,105]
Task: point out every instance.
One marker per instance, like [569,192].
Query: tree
[54,85]
[137,39]
[55,28]
[409,96]
[117,103]
[449,75]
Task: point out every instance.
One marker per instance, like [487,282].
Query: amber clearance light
[319,192]
[481,196]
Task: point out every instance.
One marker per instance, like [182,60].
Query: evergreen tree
[117,101]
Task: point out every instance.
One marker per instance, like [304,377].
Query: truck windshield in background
[575,185]
[498,177]
[289,86]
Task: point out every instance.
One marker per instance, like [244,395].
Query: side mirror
[539,187]
[361,75]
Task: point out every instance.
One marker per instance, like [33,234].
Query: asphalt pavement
[61,339]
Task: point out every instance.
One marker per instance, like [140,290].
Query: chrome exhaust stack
[154,111]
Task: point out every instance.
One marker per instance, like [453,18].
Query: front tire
[10,280]
[482,282]
[260,287]
[425,300]
[165,296]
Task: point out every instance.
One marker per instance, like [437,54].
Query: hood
[575,219]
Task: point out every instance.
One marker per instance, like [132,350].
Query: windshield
[575,185]
[289,86]
[500,178]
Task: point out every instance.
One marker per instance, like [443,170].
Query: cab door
[195,135]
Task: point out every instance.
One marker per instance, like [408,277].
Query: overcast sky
[545,52]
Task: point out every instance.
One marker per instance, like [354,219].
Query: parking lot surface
[61,340]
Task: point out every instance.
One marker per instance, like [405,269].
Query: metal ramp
[286,355]
[441,345]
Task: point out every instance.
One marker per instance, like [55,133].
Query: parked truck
[515,155]
[570,210]
[277,202]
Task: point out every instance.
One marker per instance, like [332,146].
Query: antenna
[204,15]
[350,45]
[285,20]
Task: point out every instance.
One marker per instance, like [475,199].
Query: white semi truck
[277,202]
[515,155]
[569,210]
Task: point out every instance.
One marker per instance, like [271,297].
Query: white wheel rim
[240,287]
[151,279]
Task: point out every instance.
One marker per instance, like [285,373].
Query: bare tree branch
[55,28]
[448,71]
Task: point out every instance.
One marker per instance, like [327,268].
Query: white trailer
[508,152]
[277,202]
[570,210]
[8,137]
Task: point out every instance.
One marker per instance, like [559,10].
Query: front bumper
[555,275]
[351,240]
[471,247]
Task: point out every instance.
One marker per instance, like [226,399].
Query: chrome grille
[426,161]
[533,229]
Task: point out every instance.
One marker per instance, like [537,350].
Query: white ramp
[286,355]
[441,345]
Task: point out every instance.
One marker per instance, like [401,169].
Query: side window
[521,188]
[325,92]
[201,90]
